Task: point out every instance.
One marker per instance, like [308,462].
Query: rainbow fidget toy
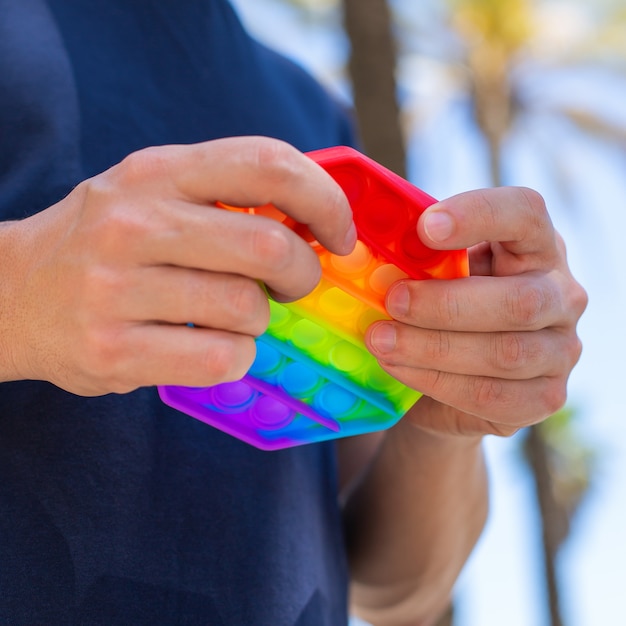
[313,379]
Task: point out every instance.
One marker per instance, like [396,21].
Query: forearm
[492,353]
[10,272]
[411,522]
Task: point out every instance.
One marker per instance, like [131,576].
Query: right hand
[103,284]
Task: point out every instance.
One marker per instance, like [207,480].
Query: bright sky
[501,583]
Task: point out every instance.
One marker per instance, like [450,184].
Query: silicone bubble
[313,378]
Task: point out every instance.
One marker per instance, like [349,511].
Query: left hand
[491,353]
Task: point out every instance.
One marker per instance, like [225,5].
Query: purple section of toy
[306,384]
[301,406]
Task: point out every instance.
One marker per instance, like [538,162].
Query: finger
[514,355]
[516,217]
[481,303]
[253,171]
[224,241]
[511,402]
[481,259]
[179,296]
[177,355]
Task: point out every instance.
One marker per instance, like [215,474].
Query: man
[119,510]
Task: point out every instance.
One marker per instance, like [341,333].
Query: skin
[497,347]
[492,354]
[98,288]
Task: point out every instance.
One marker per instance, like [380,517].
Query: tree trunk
[554,522]
[372,68]
[494,113]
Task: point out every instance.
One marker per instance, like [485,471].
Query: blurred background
[461,94]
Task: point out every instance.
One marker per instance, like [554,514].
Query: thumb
[515,217]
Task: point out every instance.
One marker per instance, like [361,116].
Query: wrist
[410,437]
[448,424]
[13,365]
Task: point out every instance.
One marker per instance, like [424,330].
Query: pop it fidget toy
[313,379]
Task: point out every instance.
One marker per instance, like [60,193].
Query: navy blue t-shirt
[118,509]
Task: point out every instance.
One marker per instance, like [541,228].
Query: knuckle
[535,206]
[113,224]
[572,350]
[97,193]
[142,166]
[437,381]
[219,362]
[536,213]
[553,396]
[274,158]
[92,189]
[437,346]
[126,221]
[576,349]
[99,284]
[580,299]
[486,392]
[511,351]
[244,298]
[250,303]
[534,201]
[550,395]
[271,245]
[229,360]
[448,307]
[527,304]
[120,230]
[102,355]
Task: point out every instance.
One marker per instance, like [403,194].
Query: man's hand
[99,289]
[491,353]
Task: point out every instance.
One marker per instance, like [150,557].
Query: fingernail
[351,237]
[438,226]
[383,337]
[398,300]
